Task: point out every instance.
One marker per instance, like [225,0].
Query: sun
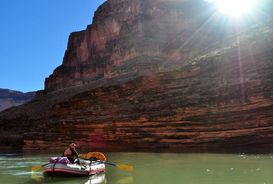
[235,8]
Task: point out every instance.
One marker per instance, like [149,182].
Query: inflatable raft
[62,166]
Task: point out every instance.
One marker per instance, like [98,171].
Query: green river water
[151,168]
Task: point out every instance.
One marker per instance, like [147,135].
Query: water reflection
[37,178]
[125,180]
[97,179]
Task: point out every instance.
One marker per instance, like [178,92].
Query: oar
[123,167]
[100,157]
[38,167]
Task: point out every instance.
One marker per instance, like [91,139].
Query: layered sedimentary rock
[10,98]
[121,31]
[156,75]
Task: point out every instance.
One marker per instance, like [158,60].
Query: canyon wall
[122,31]
[155,75]
[11,98]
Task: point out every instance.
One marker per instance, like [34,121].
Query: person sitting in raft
[72,154]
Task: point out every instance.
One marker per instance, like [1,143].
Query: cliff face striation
[156,75]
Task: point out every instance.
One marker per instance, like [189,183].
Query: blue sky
[34,35]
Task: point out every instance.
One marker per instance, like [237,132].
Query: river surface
[151,168]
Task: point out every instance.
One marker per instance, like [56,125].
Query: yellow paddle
[100,157]
[38,167]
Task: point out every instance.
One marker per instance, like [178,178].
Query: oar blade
[124,167]
[36,168]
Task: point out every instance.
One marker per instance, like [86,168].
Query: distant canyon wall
[10,98]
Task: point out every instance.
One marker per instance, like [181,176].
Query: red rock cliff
[157,75]
[123,30]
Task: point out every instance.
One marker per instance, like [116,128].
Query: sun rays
[235,8]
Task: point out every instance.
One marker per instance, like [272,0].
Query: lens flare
[235,8]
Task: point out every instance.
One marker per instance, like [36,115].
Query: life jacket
[67,152]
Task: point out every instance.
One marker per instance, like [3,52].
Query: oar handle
[46,164]
[108,163]
[124,167]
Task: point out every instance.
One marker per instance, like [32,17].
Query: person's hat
[73,145]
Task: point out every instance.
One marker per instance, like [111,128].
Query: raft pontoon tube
[62,166]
